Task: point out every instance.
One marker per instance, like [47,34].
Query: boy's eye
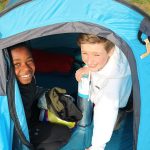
[30,61]
[17,65]
[96,54]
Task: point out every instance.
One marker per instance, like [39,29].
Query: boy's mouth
[26,76]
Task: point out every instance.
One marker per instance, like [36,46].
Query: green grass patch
[3,4]
[142,4]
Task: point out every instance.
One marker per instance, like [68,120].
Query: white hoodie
[110,90]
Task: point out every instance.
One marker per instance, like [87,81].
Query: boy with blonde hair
[110,84]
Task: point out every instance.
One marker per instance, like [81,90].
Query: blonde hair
[93,39]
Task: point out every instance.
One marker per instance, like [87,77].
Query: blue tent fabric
[20,111]
[116,17]
[7,125]
[122,138]
[81,136]
[6,129]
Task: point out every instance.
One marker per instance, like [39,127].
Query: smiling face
[95,56]
[95,50]
[23,64]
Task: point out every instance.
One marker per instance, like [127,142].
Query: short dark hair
[93,39]
[19,45]
[23,44]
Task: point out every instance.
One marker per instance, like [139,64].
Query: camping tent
[27,20]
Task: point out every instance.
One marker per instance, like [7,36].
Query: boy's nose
[90,61]
[25,67]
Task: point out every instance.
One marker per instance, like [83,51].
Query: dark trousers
[48,136]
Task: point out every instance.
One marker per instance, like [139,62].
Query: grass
[3,4]
[142,4]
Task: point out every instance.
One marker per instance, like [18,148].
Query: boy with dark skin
[43,135]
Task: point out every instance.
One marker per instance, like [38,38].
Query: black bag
[62,104]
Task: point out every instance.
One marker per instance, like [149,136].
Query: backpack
[58,107]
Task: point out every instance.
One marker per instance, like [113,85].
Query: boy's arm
[105,115]
[106,111]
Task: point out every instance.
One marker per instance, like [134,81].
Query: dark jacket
[43,135]
[30,93]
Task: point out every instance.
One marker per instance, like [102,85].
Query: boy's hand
[80,72]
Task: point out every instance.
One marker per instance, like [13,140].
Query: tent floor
[122,138]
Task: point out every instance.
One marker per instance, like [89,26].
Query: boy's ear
[111,52]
